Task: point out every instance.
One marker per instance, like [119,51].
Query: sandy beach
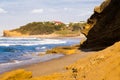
[54,65]
[80,48]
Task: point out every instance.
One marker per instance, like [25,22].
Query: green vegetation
[77,26]
[36,28]
[39,28]
[67,32]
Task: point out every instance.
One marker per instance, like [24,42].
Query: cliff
[102,30]
[34,28]
[8,33]
[103,27]
[46,28]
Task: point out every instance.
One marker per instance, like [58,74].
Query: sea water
[15,52]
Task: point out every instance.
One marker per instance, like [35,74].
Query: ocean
[15,52]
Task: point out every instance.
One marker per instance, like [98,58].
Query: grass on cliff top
[37,28]
[68,33]
[67,50]
[40,28]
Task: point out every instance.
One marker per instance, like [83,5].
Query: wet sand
[55,65]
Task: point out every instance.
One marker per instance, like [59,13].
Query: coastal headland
[97,58]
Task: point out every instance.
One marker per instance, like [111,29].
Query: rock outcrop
[103,26]
[8,33]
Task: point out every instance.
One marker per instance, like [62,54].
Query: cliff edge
[103,27]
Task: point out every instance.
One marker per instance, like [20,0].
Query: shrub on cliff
[36,28]
[77,26]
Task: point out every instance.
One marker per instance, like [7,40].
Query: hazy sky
[14,13]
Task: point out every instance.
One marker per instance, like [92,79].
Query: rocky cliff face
[103,26]
[8,33]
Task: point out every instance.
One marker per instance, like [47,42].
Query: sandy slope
[102,65]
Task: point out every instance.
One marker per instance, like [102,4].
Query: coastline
[96,58]
[85,65]
[38,61]
[51,66]
[54,65]
[20,64]
[46,36]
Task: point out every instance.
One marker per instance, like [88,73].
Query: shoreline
[21,64]
[51,63]
[52,36]
[51,66]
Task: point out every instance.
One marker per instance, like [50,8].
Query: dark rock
[104,27]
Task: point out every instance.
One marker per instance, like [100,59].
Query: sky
[15,13]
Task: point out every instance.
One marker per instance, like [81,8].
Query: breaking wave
[28,41]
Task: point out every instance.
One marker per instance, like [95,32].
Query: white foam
[13,62]
[4,45]
[29,42]
[16,61]
[16,38]
[43,47]
[16,64]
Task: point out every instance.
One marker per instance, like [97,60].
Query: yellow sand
[67,50]
[102,65]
